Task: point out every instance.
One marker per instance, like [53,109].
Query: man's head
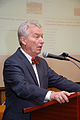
[31,38]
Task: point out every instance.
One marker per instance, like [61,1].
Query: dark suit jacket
[22,88]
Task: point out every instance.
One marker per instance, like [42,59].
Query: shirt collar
[27,55]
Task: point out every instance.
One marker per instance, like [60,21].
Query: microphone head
[44,54]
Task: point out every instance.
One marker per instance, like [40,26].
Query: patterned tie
[35,61]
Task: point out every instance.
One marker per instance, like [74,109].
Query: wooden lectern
[55,111]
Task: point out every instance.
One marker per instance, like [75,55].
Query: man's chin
[38,52]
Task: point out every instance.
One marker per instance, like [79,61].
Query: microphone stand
[67,55]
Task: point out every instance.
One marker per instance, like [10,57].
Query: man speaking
[28,76]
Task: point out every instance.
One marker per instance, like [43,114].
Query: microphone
[60,57]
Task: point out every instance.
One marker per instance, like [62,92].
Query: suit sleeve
[61,82]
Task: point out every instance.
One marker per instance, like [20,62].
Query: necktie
[35,61]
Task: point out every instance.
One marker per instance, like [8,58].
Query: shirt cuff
[47,97]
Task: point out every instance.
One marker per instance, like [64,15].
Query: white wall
[60,27]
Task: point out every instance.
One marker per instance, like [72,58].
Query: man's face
[34,41]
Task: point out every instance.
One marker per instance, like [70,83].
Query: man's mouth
[40,47]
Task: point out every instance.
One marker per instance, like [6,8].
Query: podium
[2,108]
[53,110]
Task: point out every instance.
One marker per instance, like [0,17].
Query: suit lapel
[40,72]
[31,70]
[28,65]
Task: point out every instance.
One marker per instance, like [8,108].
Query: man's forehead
[35,30]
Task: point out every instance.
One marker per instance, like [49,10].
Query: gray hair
[23,29]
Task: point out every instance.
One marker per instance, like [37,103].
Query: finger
[59,100]
[62,100]
[72,93]
[65,98]
[67,93]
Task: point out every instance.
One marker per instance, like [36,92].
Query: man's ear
[23,40]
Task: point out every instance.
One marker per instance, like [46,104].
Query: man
[26,83]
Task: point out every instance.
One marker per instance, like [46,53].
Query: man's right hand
[60,97]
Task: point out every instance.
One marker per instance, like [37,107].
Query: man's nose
[41,40]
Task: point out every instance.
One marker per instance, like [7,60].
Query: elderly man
[27,76]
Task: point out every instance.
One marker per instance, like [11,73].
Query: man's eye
[36,36]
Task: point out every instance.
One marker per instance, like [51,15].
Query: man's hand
[60,97]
